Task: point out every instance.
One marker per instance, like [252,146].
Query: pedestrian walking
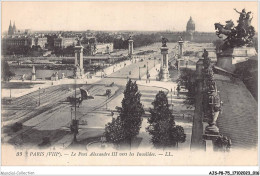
[148,78]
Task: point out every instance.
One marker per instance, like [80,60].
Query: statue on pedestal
[78,41]
[164,72]
[214,108]
[55,76]
[240,35]
[164,42]
[208,73]
[207,60]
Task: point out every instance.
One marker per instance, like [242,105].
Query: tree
[7,74]
[162,126]
[222,143]
[114,131]
[255,43]
[128,123]
[179,135]
[187,79]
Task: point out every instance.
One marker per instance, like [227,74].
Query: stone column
[180,53]
[180,48]
[79,61]
[178,64]
[130,47]
[79,56]
[164,64]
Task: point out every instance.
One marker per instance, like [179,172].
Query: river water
[40,74]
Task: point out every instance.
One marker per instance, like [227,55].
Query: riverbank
[17,88]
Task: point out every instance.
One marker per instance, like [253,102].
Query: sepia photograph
[166,83]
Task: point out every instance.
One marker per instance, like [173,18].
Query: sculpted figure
[229,25]
[164,42]
[236,36]
[78,41]
[248,19]
[214,108]
[242,14]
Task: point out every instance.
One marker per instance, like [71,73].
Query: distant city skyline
[117,16]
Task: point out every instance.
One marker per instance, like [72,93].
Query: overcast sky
[121,15]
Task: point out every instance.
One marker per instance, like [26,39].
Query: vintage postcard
[129,83]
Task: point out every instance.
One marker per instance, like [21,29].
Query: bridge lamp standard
[39,96]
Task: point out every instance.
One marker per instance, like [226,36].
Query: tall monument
[33,74]
[180,52]
[164,73]
[79,69]
[130,47]
[180,42]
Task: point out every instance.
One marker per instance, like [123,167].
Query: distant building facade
[40,41]
[91,47]
[191,34]
[63,42]
[21,41]
[16,39]
[104,48]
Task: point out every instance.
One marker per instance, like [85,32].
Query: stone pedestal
[180,53]
[228,59]
[212,130]
[164,64]
[79,72]
[62,75]
[130,47]
[180,48]
[33,74]
[55,76]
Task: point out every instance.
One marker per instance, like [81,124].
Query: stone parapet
[228,59]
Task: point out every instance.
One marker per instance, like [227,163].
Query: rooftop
[238,119]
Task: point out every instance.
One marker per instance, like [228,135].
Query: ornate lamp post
[139,73]
[147,69]
[39,96]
